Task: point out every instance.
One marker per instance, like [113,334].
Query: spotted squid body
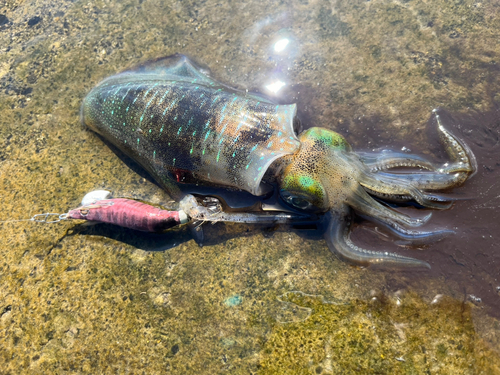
[182,126]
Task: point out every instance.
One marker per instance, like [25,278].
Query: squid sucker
[184,127]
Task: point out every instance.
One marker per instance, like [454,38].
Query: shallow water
[252,300]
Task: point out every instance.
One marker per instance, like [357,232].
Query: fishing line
[50,217]
[47,218]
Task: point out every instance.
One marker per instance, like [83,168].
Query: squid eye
[300,203]
[297,202]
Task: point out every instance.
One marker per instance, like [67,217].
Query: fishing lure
[129,213]
[99,207]
[132,214]
[184,127]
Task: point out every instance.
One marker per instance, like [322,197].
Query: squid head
[326,175]
[321,175]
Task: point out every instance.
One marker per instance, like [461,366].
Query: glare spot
[281,44]
[275,86]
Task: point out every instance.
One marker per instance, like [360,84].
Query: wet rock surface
[252,300]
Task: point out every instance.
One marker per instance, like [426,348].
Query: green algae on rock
[384,336]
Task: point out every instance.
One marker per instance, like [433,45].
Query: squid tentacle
[392,220]
[364,203]
[411,236]
[404,198]
[424,181]
[339,242]
[377,162]
[438,201]
[389,184]
[464,160]
[402,186]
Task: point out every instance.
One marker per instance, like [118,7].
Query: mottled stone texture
[93,300]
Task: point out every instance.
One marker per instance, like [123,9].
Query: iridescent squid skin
[182,126]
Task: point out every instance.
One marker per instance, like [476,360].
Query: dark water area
[469,259]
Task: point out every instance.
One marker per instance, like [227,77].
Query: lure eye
[84,212]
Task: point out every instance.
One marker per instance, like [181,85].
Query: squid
[187,129]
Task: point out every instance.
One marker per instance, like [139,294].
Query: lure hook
[47,218]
